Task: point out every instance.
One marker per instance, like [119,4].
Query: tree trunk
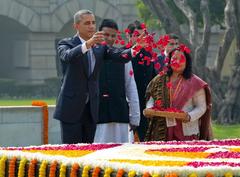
[164,13]
[227,39]
[230,106]
[193,28]
[201,51]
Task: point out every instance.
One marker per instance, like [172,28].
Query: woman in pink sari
[180,89]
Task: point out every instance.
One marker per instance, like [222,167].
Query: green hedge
[10,89]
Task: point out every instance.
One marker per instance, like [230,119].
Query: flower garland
[63,169]
[2,166]
[32,167]
[209,175]
[45,118]
[159,159]
[120,173]
[171,175]
[146,174]
[21,168]
[131,173]
[85,171]
[11,168]
[96,171]
[107,172]
[74,170]
[193,175]
[228,174]
[42,169]
[53,168]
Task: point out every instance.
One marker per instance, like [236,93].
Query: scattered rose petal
[131,72]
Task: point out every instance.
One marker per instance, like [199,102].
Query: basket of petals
[167,113]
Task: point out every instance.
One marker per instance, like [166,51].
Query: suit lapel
[77,41]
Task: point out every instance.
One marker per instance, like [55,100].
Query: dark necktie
[89,63]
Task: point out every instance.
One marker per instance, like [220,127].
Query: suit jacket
[77,86]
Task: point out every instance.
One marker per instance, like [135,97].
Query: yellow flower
[108,172]
[228,174]
[193,175]
[42,169]
[2,166]
[62,170]
[131,173]
[155,175]
[86,169]
[21,168]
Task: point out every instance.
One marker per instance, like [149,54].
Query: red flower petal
[143,26]
[127,31]
[129,45]
[136,33]
[157,66]
[104,43]
[131,72]
[119,37]
[122,42]
[158,103]
[125,55]
[169,85]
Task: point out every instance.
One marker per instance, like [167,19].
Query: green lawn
[24,102]
[219,131]
[226,131]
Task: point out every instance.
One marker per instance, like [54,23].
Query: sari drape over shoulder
[158,91]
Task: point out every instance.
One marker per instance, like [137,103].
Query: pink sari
[186,91]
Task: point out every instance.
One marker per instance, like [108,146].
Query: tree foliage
[203,14]
[216,8]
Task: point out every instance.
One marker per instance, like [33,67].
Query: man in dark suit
[81,57]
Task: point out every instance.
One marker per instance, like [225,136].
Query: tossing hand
[97,38]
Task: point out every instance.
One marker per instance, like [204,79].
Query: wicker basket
[153,113]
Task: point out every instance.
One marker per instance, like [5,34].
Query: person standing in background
[119,109]
[172,44]
[143,74]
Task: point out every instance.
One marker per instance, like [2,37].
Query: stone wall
[30,29]
[22,126]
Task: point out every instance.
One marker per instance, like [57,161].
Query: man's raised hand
[97,38]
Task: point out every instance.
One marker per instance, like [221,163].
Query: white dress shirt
[119,132]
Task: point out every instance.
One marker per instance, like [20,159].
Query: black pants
[79,132]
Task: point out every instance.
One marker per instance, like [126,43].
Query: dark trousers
[82,131]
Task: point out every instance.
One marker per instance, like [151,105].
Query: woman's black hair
[187,73]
